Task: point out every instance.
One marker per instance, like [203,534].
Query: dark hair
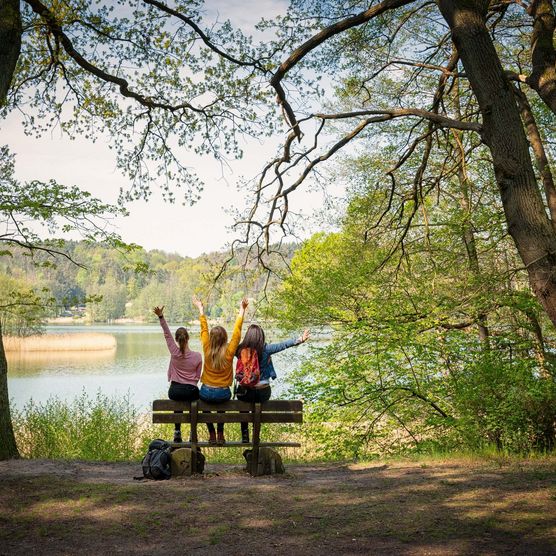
[182,337]
[254,339]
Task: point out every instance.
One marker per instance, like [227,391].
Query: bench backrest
[233,411]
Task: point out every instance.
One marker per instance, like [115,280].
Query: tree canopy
[160,81]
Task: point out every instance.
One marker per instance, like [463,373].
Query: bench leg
[256,439]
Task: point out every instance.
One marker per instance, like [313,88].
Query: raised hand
[159,311]
[304,337]
[244,303]
[198,303]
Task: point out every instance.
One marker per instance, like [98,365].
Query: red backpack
[248,372]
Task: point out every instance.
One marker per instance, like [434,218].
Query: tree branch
[442,121]
[543,53]
[188,21]
[50,20]
[299,53]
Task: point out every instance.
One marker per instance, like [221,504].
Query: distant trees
[23,208]
[108,284]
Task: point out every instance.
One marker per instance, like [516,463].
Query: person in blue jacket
[260,392]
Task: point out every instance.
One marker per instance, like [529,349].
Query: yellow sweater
[219,378]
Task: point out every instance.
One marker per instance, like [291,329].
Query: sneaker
[220,440]
[212,437]
[245,437]
[177,436]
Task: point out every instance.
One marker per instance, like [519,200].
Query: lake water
[136,367]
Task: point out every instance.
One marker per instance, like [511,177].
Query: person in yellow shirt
[217,375]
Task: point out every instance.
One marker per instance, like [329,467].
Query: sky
[186,230]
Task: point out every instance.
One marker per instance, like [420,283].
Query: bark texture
[537,145]
[10,43]
[8,446]
[528,223]
[543,53]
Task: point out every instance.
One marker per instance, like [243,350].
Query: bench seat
[233,411]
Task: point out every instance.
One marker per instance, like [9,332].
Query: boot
[220,440]
[245,436]
[212,437]
[177,436]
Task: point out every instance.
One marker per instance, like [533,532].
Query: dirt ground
[453,507]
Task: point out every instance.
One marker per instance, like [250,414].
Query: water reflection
[24,363]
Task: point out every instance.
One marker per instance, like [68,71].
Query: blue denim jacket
[267,368]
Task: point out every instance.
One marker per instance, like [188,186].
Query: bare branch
[299,53]
[188,21]
[442,121]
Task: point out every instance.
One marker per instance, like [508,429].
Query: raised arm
[203,320]
[172,347]
[280,346]
[236,334]
[199,304]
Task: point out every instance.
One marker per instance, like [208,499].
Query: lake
[136,367]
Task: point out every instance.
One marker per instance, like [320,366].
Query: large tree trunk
[8,447]
[10,43]
[543,53]
[528,223]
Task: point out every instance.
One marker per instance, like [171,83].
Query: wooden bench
[272,411]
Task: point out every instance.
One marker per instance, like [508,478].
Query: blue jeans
[215,395]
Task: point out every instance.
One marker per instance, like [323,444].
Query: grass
[113,429]
[78,341]
[99,428]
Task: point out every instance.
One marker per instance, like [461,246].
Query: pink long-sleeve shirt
[184,368]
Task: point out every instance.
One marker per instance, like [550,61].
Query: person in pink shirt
[184,369]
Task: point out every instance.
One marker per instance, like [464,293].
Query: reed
[76,341]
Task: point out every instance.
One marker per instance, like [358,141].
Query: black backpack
[156,463]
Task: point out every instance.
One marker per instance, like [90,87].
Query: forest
[109,284]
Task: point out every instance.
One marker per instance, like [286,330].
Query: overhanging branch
[299,53]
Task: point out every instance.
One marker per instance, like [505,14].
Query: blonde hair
[218,338]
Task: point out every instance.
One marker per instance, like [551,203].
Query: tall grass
[98,428]
[80,341]
[113,429]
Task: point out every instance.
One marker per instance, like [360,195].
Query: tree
[83,49]
[385,56]
[413,361]
[61,209]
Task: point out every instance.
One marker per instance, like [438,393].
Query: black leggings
[252,395]
[182,393]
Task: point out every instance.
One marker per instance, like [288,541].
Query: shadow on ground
[454,507]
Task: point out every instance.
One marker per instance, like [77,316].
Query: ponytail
[182,337]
